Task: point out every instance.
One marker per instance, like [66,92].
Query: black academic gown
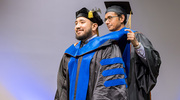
[107,78]
[143,73]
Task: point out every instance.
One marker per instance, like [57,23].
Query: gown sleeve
[62,80]
[111,78]
[140,51]
[147,71]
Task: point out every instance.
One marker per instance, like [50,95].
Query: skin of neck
[122,26]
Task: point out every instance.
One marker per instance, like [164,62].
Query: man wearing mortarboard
[91,69]
[143,68]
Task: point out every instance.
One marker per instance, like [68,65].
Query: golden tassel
[128,25]
[97,32]
[90,14]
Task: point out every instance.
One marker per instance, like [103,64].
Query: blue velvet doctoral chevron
[115,82]
[114,71]
[112,61]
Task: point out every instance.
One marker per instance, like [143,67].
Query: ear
[94,26]
[122,18]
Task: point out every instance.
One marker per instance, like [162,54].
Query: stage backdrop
[35,33]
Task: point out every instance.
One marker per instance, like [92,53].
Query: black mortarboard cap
[91,15]
[118,7]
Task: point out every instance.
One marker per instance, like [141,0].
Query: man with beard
[143,68]
[91,69]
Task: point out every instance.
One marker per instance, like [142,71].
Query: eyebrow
[80,20]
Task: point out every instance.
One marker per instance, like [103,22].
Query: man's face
[83,28]
[112,21]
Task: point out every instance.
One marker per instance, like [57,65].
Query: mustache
[79,29]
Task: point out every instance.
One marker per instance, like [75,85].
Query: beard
[85,36]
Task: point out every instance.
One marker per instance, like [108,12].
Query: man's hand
[132,38]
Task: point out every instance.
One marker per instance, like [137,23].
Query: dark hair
[125,20]
[118,10]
